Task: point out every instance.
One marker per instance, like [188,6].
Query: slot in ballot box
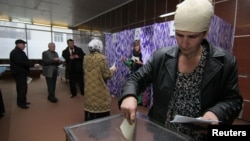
[108,129]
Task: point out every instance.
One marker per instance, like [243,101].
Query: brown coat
[96,73]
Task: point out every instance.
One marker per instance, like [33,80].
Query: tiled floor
[43,121]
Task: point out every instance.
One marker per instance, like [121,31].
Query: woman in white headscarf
[193,79]
[97,99]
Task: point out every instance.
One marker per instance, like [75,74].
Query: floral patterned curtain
[152,38]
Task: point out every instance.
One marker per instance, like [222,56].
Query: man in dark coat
[19,67]
[73,56]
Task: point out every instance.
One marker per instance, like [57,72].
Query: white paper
[137,34]
[185,119]
[113,66]
[135,58]
[29,79]
[61,59]
[127,129]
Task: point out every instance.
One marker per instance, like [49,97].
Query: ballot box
[108,129]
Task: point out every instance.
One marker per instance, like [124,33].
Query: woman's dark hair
[137,53]
[137,43]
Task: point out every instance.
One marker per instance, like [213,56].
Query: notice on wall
[137,34]
[171,29]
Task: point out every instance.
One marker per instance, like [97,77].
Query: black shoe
[72,96]
[28,103]
[23,106]
[53,100]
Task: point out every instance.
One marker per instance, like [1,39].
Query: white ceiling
[71,13]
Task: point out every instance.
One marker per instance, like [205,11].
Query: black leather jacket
[219,88]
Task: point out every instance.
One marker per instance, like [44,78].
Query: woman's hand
[128,108]
[202,127]
[210,116]
[123,59]
[138,62]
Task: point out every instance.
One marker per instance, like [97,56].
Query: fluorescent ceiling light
[82,29]
[1,19]
[4,18]
[106,33]
[56,26]
[167,14]
[26,21]
[41,24]
[220,1]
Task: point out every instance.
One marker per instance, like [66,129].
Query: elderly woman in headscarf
[194,78]
[96,73]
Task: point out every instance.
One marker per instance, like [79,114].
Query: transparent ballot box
[108,129]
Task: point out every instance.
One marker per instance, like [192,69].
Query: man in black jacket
[73,56]
[20,66]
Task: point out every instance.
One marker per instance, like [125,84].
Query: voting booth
[108,129]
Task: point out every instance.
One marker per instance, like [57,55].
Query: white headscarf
[95,45]
[193,15]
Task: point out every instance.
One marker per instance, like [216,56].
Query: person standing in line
[51,61]
[193,78]
[20,66]
[97,99]
[73,56]
[134,63]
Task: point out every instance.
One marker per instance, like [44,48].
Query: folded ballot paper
[127,129]
[114,65]
[29,79]
[135,59]
[61,59]
[185,119]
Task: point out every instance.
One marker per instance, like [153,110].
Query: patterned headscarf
[95,45]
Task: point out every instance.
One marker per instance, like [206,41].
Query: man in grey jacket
[51,61]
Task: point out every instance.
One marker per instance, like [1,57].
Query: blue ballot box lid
[108,129]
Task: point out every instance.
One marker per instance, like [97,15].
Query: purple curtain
[152,38]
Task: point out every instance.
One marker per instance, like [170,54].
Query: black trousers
[2,108]
[51,85]
[92,116]
[76,78]
[21,88]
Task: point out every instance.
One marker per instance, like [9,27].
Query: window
[37,43]
[69,36]
[13,33]
[37,38]
[58,37]
[8,36]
